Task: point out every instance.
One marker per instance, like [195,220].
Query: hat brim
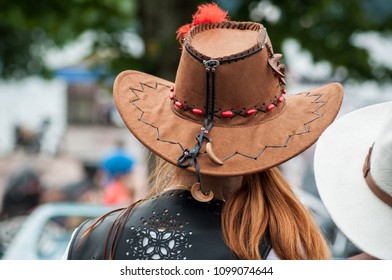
[143,103]
[339,157]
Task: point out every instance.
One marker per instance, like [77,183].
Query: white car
[45,233]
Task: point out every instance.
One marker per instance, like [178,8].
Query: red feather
[182,32]
[209,13]
[205,13]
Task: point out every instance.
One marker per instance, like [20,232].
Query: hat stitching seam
[140,118]
[315,112]
[241,112]
[318,115]
[261,43]
[233,126]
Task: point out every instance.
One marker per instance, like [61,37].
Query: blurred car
[45,233]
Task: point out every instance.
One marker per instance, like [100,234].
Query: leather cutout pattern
[163,236]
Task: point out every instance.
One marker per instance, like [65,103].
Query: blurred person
[229,200]
[353,171]
[87,189]
[116,170]
[23,192]
[31,139]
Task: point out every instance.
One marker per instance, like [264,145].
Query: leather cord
[189,157]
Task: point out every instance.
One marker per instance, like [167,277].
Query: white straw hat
[360,208]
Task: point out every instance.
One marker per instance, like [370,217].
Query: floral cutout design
[162,237]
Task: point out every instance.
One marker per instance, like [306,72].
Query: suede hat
[227,113]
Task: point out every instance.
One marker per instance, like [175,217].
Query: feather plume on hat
[205,13]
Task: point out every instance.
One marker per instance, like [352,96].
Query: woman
[221,130]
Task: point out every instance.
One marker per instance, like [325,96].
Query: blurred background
[65,154]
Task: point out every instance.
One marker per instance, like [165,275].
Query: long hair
[266,204]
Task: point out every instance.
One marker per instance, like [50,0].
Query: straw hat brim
[143,103]
[339,158]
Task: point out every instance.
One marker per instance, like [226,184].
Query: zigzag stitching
[140,118]
[318,115]
[255,157]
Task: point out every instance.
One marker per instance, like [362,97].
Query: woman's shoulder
[90,233]
[172,218]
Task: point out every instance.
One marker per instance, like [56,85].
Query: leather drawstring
[189,157]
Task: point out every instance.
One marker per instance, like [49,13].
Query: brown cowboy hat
[227,112]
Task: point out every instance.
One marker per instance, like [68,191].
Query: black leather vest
[171,226]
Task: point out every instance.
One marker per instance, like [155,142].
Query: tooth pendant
[211,154]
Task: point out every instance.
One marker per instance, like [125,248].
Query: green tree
[324,27]
[29,28]
[158,22]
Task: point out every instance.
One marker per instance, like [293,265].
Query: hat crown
[247,88]
[381,160]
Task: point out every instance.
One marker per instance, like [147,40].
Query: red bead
[178,104]
[171,88]
[270,107]
[251,112]
[197,111]
[284,91]
[280,99]
[227,114]
[171,96]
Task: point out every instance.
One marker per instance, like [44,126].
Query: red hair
[264,204]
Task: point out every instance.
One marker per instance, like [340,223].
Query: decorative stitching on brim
[255,157]
[140,118]
[291,135]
